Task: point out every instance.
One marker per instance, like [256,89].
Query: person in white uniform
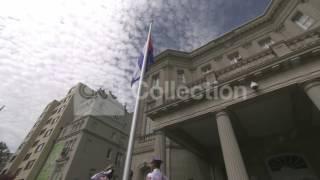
[106,174]
[156,174]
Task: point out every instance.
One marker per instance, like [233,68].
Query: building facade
[244,106]
[74,138]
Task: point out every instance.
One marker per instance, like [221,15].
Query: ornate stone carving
[86,92]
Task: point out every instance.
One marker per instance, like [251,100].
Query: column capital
[310,84]
[221,113]
[312,89]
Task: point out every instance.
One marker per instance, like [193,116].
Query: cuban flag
[149,61]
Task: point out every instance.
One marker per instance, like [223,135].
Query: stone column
[234,164]
[312,89]
[160,149]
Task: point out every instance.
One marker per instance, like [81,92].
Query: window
[149,126]
[205,69]
[48,133]
[109,152]
[27,156]
[54,112]
[4,172]
[48,121]
[42,131]
[180,76]
[54,120]
[35,143]
[39,147]
[69,144]
[234,57]
[17,172]
[155,83]
[29,164]
[28,135]
[302,20]
[20,145]
[13,157]
[155,80]
[77,125]
[72,143]
[118,159]
[113,135]
[266,43]
[37,123]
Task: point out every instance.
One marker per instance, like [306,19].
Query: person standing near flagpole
[145,60]
[156,173]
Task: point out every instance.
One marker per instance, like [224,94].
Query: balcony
[146,138]
[144,143]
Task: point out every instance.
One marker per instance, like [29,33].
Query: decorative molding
[102,93]
[310,84]
[221,113]
[86,92]
[154,112]
[247,45]
[279,28]
[233,35]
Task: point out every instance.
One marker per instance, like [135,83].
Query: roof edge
[266,15]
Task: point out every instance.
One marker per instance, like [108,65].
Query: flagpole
[126,172]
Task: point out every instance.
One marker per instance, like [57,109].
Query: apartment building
[74,138]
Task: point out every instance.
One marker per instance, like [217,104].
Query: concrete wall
[91,157]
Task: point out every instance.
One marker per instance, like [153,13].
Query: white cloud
[47,46]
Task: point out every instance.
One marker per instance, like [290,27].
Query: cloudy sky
[47,46]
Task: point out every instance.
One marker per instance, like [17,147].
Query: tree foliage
[4,152]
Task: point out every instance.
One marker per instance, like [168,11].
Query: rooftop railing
[146,138]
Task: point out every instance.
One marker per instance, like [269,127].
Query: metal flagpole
[126,172]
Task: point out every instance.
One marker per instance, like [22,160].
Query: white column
[312,89]
[160,149]
[234,164]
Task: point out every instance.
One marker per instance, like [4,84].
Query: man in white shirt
[156,174]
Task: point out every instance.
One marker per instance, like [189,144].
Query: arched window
[290,167]
[287,161]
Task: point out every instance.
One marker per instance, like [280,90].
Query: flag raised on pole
[145,60]
[146,54]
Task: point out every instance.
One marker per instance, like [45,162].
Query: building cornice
[310,50]
[267,16]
